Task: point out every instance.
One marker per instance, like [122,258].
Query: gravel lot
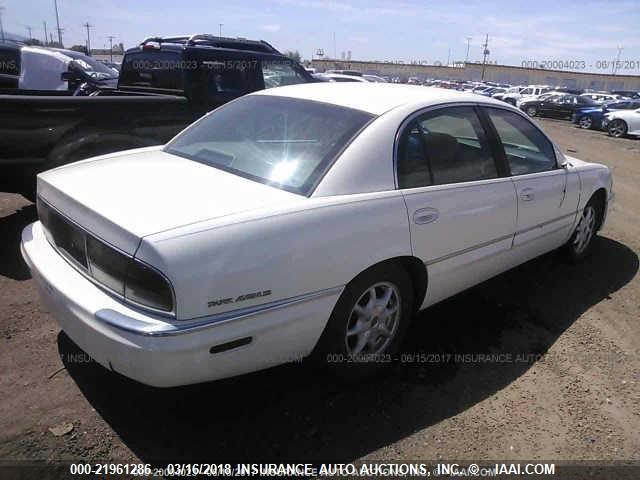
[564,382]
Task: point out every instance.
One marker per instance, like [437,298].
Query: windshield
[284,142]
[92,68]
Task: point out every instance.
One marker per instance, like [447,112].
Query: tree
[294,55]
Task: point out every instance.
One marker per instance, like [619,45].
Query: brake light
[151,46]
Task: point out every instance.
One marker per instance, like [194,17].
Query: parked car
[304,220]
[52,71]
[592,117]
[373,78]
[542,96]
[627,93]
[600,97]
[512,98]
[339,77]
[622,122]
[559,106]
[165,84]
[509,91]
[493,90]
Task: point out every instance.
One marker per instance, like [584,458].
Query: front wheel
[531,111]
[617,128]
[581,241]
[368,323]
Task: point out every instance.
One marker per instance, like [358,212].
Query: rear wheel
[368,323]
[531,111]
[585,122]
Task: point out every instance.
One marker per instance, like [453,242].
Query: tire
[531,111]
[585,122]
[617,128]
[581,242]
[353,345]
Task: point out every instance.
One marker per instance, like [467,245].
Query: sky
[403,30]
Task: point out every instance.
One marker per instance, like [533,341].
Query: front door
[547,193]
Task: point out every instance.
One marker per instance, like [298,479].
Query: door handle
[425,215]
[526,194]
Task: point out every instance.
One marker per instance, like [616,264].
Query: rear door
[547,193]
[461,208]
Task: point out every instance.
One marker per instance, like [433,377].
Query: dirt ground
[563,382]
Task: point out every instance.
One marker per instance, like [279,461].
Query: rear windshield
[285,142]
[154,69]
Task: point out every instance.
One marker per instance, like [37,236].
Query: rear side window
[526,148]
[154,69]
[280,72]
[448,145]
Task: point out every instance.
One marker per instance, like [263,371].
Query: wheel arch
[415,268]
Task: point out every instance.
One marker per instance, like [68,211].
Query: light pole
[220,29]
[466,59]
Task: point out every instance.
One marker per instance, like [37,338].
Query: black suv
[209,70]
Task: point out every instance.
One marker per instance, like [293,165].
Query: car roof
[376,98]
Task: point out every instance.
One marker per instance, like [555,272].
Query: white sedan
[622,122]
[304,219]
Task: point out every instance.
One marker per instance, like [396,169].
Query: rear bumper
[162,353]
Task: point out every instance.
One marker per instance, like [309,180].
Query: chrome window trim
[86,273]
[430,108]
[131,325]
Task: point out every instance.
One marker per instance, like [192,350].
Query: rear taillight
[147,287]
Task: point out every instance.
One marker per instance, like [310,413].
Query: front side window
[285,142]
[526,148]
[444,146]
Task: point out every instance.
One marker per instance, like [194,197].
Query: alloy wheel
[586,122]
[373,320]
[585,229]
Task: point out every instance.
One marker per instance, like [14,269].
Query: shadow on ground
[11,263]
[293,413]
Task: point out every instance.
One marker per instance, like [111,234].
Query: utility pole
[335,52]
[29,31]
[46,36]
[485,54]
[448,57]
[55,3]
[1,27]
[87,26]
[615,65]
[220,29]
[466,59]
[111,37]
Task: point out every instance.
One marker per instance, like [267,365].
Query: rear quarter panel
[290,252]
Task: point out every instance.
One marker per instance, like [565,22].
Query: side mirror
[68,76]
